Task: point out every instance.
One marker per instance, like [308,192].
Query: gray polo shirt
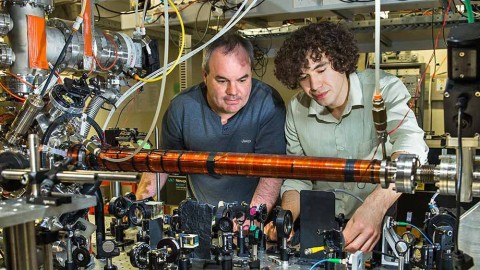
[312,131]
[190,124]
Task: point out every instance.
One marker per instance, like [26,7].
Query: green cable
[468,6]
[334,260]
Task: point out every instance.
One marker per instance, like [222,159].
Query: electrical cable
[331,260]
[64,118]
[458,186]
[11,93]
[347,192]
[57,63]
[121,111]
[235,18]
[82,10]
[433,77]
[196,21]
[128,111]
[20,79]
[116,54]
[182,46]
[125,12]
[401,223]
[425,71]
[384,254]
[377,48]
[136,14]
[64,49]
[468,7]
[144,13]
[162,88]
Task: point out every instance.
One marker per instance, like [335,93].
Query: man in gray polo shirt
[228,112]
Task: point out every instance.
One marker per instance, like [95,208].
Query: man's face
[322,83]
[229,82]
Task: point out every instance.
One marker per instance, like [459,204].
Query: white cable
[144,12]
[84,7]
[136,16]
[227,27]
[160,98]
[377,46]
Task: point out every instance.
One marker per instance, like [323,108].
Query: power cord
[460,260]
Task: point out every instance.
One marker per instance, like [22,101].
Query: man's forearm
[148,185]
[291,201]
[381,199]
[267,192]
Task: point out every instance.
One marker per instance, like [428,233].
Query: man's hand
[147,186]
[271,232]
[363,230]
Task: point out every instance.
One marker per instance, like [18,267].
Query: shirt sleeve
[293,148]
[271,135]
[404,132]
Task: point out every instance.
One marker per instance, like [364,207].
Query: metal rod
[33,144]
[260,165]
[85,177]
[20,247]
[47,257]
[158,185]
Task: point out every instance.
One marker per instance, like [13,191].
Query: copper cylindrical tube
[221,163]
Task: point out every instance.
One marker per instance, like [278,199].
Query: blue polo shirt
[190,124]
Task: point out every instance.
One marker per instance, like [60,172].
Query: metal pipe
[280,166]
[33,146]
[24,119]
[47,257]
[468,160]
[20,247]
[115,189]
[158,185]
[84,177]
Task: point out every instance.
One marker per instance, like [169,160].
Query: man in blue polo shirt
[229,112]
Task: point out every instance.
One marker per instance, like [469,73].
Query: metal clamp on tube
[405,174]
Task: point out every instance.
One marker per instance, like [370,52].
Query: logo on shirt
[246,141]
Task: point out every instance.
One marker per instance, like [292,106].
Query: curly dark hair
[333,40]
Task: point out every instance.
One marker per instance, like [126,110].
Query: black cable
[59,60]
[435,68]
[261,2]
[458,11]
[67,117]
[123,12]
[208,22]
[384,254]
[459,177]
[98,12]
[356,1]
[158,18]
[109,17]
[120,114]
[100,223]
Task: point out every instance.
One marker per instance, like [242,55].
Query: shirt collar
[355,98]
